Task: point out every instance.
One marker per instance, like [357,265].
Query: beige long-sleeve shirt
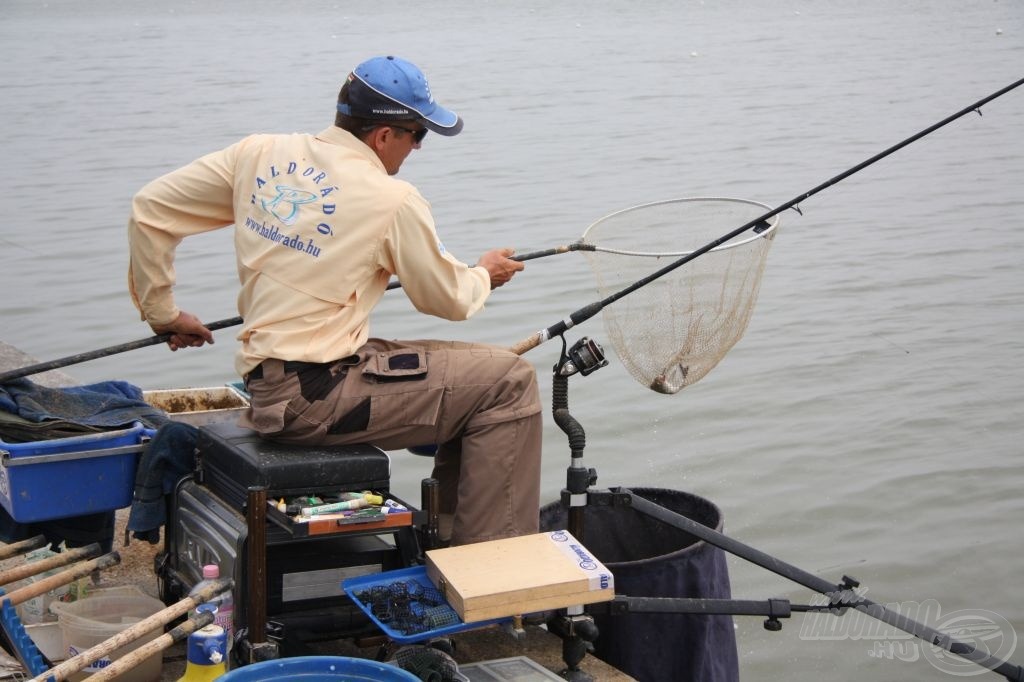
[320,227]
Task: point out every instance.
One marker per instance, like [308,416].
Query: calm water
[870,421]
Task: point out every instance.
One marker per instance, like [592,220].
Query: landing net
[672,332]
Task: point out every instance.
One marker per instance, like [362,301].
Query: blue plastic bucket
[319,669]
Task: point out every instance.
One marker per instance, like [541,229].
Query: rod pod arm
[843,593]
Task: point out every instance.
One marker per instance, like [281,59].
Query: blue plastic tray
[53,479]
[428,607]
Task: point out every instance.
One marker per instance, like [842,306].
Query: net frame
[682,324]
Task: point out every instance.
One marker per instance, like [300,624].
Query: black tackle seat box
[207,524]
[230,459]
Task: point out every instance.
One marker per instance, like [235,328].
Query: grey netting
[673,331]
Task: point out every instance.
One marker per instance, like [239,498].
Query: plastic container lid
[211,571]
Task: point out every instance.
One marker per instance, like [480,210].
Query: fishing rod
[588,311]
[104,352]
[220,324]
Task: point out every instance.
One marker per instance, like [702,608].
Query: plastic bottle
[207,655]
[224,603]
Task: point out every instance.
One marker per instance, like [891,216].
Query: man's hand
[500,266]
[185,331]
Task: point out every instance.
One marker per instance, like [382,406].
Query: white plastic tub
[93,620]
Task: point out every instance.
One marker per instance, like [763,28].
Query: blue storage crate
[55,479]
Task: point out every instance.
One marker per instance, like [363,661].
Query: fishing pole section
[104,352]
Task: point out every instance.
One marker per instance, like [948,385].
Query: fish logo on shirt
[285,204]
[287,201]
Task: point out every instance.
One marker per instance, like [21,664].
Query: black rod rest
[578,478]
[578,631]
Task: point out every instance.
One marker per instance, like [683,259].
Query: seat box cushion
[230,459]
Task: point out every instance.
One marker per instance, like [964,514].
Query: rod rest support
[609,498]
[577,634]
[578,481]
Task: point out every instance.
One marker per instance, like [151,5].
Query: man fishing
[321,225]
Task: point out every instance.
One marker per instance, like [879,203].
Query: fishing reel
[585,356]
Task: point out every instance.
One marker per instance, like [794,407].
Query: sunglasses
[417,135]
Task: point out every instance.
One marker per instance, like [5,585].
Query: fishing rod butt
[104,352]
[528,343]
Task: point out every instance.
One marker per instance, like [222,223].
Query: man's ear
[378,137]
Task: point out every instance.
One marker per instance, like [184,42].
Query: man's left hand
[186,331]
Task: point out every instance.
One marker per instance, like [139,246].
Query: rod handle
[104,352]
[133,658]
[133,632]
[22,546]
[81,570]
[64,558]
[527,344]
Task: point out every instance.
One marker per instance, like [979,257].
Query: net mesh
[670,333]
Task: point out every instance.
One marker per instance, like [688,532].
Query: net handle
[565,248]
[68,360]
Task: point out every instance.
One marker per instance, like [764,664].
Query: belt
[292,366]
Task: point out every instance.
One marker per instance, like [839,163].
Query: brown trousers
[479,404]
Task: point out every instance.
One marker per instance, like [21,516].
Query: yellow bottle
[207,649]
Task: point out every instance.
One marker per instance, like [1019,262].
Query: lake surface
[871,420]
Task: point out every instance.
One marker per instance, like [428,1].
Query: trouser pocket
[394,389]
[406,364]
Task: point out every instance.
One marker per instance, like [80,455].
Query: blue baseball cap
[392,89]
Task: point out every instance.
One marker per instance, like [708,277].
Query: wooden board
[519,575]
